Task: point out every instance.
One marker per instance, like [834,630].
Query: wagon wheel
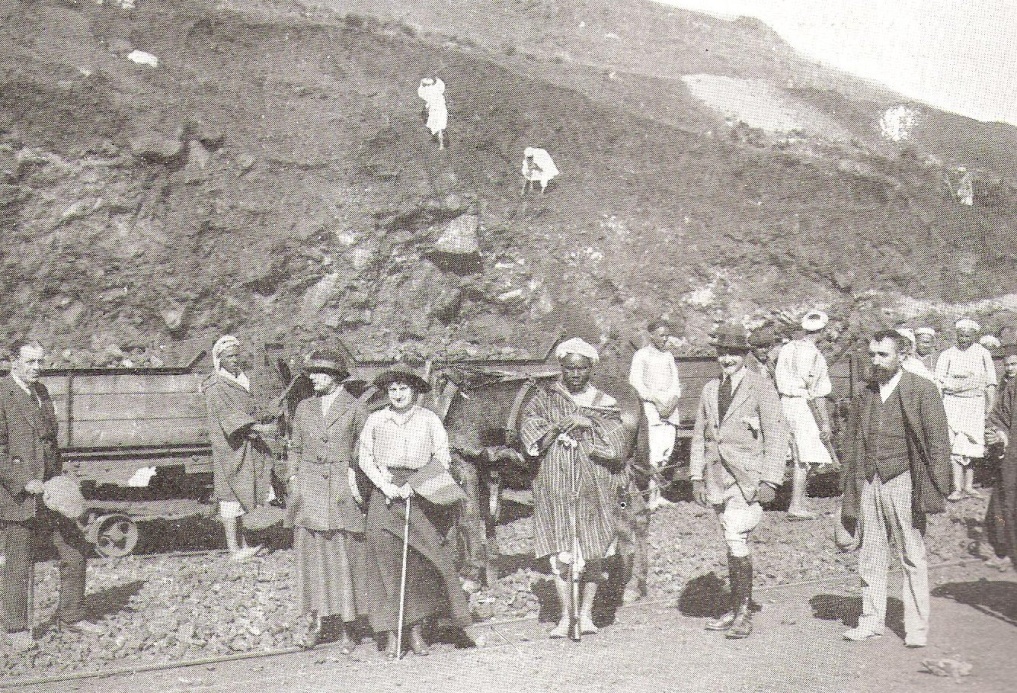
[116,536]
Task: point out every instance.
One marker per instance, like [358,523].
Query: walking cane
[575,629]
[402,583]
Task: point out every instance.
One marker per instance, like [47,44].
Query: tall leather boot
[725,621]
[742,626]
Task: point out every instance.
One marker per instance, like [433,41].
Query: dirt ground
[657,646]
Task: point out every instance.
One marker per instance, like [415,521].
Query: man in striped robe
[576,431]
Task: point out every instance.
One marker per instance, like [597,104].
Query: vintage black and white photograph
[498,346]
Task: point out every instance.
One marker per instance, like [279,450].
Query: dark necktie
[724,396]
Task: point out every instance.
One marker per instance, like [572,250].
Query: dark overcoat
[928,448]
[322,453]
[28,447]
[1001,516]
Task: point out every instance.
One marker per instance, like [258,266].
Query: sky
[957,56]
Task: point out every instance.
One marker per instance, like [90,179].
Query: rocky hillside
[272,176]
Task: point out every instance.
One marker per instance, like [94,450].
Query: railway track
[476,630]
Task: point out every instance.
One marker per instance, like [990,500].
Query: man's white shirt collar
[735,377]
[886,390]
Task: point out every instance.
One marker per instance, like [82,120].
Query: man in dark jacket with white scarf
[897,469]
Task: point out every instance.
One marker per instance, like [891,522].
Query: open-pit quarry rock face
[174,171]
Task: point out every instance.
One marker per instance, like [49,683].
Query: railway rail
[495,627]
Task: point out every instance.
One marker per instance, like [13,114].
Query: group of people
[367,539]
[349,476]
[907,446]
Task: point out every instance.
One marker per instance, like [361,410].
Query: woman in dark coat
[396,442]
[325,507]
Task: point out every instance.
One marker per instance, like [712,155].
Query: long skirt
[432,583]
[330,572]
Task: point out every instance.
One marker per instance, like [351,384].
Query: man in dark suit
[897,469]
[736,463]
[29,457]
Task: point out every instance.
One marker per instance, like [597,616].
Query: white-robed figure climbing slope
[432,91]
[538,167]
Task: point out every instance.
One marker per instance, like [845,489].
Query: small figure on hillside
[241,459]
[654,376]
[737,461]
[967,377]
[432,91]
[803,382]
[966,188]
[895,472]
[538,167]
[576,430]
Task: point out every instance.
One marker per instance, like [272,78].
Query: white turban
[990,342]
[815,320]
[925,330]
[967,325]
[909,334]
[224,343]
[579,347]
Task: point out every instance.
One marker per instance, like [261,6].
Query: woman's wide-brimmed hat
[327,362]
[402,375]
[731,337]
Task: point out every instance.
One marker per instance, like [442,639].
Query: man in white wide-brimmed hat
[432,91]
[967,378]
[538,167]
[803,381]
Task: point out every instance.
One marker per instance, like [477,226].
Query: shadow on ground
[112,600]
[997,598]
[704,597]
[847,610]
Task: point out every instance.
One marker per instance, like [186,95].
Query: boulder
[459,236]
[157,146]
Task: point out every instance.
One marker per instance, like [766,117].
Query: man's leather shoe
[861,634]
[417,642]
[742,626]
[722,623]
[82,627]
